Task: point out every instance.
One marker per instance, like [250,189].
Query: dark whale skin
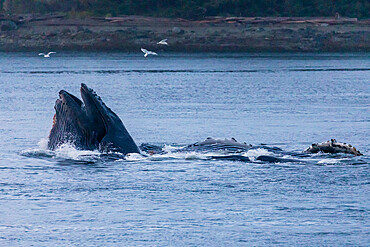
[88,124]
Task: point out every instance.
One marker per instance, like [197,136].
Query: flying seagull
[162,42]
[148,52]
[46,55]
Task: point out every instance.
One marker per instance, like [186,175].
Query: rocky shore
[130,33]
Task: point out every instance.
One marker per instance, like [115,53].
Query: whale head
[88,124]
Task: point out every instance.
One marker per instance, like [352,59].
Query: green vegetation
[193,9]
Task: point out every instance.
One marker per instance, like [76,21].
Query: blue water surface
[75,198]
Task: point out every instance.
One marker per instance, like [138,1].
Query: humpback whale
[88,124]
[333,146]
[219,144]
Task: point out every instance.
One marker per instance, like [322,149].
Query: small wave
[252,154]
[329,161]
[181,155]
[170,148]
[69,151]
[42,151]
[335,159]
[134,157]
[120,71]
[195,71]
[37,153]
[333,69]
[65,151]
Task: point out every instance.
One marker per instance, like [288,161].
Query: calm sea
[76,198]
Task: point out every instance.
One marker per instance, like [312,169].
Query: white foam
[41,151]
[69,151]
[43,143]
[134,157]
[37,152]
[196,156]
[329,161]
[170,148]
[252,154]
[181,155]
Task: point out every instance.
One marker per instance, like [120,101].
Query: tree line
[192,9]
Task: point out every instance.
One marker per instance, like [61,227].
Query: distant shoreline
[233,34]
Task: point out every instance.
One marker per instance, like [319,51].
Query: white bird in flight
[46,55]
[146,52]
[162,42]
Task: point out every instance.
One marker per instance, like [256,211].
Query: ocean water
[71,197]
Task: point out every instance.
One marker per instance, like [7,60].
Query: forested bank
[191,9]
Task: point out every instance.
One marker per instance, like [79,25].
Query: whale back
[231,145]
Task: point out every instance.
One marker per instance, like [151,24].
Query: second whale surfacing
[88,124]
[219,144]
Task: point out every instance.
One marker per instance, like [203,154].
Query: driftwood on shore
[19,19]
[207,20]
[279,20]
[246,20]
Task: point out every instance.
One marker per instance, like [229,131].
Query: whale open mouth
[70,122]
[88,124]
[78,122]
[67,104]
[69,108]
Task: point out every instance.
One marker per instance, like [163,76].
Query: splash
[65,151]
[69,151]
[41,151]
[329,161]
[134,157]
[43,143]
[252,154]
[179,155]
[171,148]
